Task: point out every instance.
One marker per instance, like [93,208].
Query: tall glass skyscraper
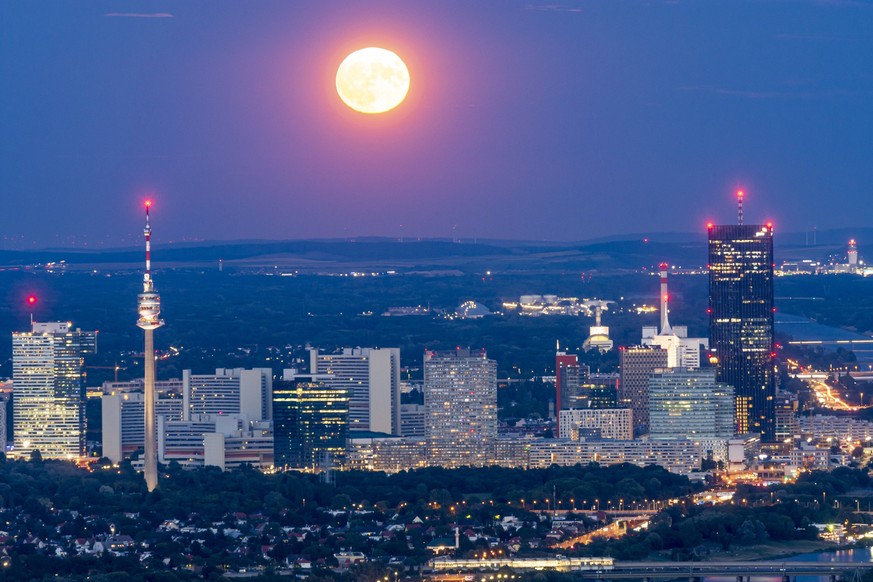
[310,423]
[741,321]
[690,404]
[48,412]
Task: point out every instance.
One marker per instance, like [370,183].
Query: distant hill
[620,252]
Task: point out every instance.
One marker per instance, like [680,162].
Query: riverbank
[773,550]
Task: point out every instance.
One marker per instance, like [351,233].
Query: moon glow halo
[372,80]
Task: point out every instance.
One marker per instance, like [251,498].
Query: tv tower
[149,308]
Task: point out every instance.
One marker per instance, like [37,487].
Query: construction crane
[116,368]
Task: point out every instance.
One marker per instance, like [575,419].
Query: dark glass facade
[310,424]
[741,321]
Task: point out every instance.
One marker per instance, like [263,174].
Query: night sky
[525,120]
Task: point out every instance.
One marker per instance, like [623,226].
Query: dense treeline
[692,532]
[110,491]
[823,492]
[578,485]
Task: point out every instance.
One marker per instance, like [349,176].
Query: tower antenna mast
[740,195]
[149,309]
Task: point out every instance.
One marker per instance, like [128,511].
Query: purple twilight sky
[546,119]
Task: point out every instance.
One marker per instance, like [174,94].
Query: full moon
[372,80]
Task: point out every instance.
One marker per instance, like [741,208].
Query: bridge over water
[606,569]
[741,571]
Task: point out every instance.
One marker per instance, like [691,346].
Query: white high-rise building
[123,413]
[460,400]
[226,441]
[682,351]
[609,423]
[49,392]
[372,378]
[247,393]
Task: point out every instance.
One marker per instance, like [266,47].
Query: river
[850,555]
[803,328]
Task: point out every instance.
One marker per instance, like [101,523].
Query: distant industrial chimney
[853,255]
[665,322]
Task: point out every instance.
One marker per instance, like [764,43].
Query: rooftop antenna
[740,195]
[31,302]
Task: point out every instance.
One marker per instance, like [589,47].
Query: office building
[371,376]
[49,391]
[835,430]
[226,441]
[741,321]
[606,423]
[389,453]
[570,375]
[636,363]
[412,420]
[787,425]
[310,422]
[600,394]
[690,404]
[123,416]
[460,400]
[680,457]
[5,398]
[246,393]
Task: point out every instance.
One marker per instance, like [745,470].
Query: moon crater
[372,80]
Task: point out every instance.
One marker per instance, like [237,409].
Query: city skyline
[533,113]
[589,379]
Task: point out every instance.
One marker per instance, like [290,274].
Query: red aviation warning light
[148,203]
[709,226]
[740,195]
[31,300]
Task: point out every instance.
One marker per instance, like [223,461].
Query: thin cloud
[752,94]
[840,3]
[820,37]
[139,15]
[552,8]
